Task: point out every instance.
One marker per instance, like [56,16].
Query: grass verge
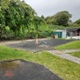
[70,45]
[63,68]
[76,54]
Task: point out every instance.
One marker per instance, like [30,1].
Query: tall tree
[42,17]
[18,13]
[62,18]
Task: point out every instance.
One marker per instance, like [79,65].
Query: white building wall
[64,32]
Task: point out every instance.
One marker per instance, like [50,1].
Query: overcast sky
[51,7]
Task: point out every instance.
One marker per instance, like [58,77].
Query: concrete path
[63,54]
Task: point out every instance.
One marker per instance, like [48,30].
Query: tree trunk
[37,41]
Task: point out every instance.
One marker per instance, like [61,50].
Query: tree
[16,14]
[37,22]
[18,17]
[62,18]
[2,19]
[42,17]
[49,20]
[77,22]
[4,3]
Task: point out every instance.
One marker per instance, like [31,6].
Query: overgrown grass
[63,68]
[76,54]
[70,45]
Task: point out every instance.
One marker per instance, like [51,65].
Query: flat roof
[71,29]
[58,30]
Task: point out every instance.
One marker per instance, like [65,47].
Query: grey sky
[51,7]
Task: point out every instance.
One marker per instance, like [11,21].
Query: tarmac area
[29,45]
[24,70]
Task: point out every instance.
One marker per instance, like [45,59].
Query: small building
[60,33]
[73,31]
[67,33]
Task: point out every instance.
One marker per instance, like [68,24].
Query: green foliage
[42,17]
[76,54]
[56,27]
[37,23]
[4,4]
[60,18]
[77,22]
[51,20]
[21,19]
[17,15]
[70,45]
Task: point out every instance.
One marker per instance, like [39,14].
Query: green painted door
[59,34]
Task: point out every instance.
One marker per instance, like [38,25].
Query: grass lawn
[70,45]
[76,54]
[63,68]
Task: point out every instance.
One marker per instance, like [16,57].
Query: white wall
[64,32]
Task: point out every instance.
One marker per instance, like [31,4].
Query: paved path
[63,54]
[44,44]
[24,70]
